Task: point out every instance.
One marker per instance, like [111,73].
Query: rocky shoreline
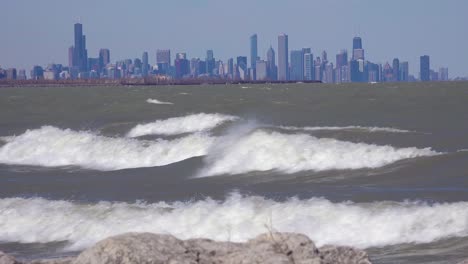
[147,248]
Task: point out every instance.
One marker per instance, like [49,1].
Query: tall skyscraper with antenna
[80,54]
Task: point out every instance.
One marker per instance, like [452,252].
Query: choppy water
[382,167]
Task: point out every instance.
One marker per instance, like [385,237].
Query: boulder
[6,259]
[274,248]
[142,248]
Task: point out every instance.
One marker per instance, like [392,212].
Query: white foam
[50,146]
[236,219]
[264,151]
[179,125]
[155,101]
[350,128]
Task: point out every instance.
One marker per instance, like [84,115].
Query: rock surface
[147,248]
[5,259]
[280,248]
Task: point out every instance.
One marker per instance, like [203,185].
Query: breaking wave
[236,219]
[155,101]
[179,125]
[50,146]
[263,151]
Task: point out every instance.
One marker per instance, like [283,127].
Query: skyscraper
[297,65]
[210,62]
[425,68]
[404,71]
[163,60]
[357,43]
[104,57]
[341,66]
[261,70]
[230,68]
[309,66]
[396,70]
[145,65]
[443,74]
[358,51]
[242,67]
[80,55]
[283,60]
[163,56]
[271,64]
[253,52]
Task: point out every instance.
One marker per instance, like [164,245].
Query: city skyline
[402,29]
[300,67]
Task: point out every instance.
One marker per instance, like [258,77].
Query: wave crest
[237,219]
[264,151]
[50,147]
[179,125]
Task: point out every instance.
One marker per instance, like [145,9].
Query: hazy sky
[40,32]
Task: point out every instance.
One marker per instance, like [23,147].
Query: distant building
[283,60]
[242,67]
[182,66]
[163,56]
[425,68]
[163,60]
[396,70]
[261,68]
[404,71]
[210,62]
[272,70]
[37,73]
[104,57]
[318,70]
[22,75]
[253,52]
[358,71]
[341,65]
[388,73]
[80,54]
[297,65]
[230,68]
[309,66]
[329,74]
[11,74]
[443,74]
[373,72]
[434,76]
[145,64]
[358,51]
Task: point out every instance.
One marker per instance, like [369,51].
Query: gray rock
[464,262]
[6,259]
[275,248]
[142,248]
[343,255]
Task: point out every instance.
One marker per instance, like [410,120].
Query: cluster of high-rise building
[283,65]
